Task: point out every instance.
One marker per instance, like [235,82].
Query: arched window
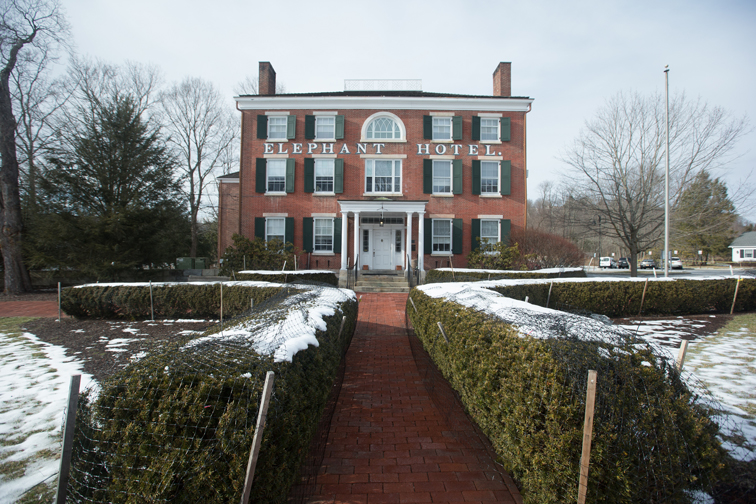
[383,126]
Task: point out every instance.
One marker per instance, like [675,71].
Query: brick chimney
[502,79]
[267,77]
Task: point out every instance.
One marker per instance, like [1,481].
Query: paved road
[684,273]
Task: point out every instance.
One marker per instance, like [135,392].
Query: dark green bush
[445,275]
[178,426]
[652,439]
[257,254]
[623,298]
[179,300]
[326,277]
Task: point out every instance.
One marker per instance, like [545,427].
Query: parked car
[623,263]
[675,263]
[647,264]
[607,262]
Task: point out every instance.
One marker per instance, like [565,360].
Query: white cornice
[374,206]
[341,103]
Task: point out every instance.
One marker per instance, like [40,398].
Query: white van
[607,262]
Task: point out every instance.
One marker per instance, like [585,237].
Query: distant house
[744,247]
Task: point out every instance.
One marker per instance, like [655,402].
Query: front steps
[382,281]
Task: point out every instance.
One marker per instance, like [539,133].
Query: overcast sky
[569,56]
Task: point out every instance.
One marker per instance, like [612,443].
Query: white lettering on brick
[327,148]
[378,147]
[440,149]
[344,149]
[296,148]
[311,147]
[280,149]
[473,150]
[361,148]
[268,148]
[423,149]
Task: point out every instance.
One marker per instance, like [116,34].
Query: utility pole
[666,175]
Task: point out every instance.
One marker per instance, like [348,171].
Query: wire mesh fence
[177,426]
[659,435]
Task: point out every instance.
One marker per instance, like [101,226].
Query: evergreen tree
[705,216]
[112,202]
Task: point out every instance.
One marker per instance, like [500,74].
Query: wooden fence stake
[343,319]
[257,439]
[443,333]
[152,306]
[643,298]
[413,304]
[58,301]
[548,299]
[451,265]
[526,299]
[68,435]
[245,262]
[681,354]
[221,303]
[735,297]
[585,458]
[251,303]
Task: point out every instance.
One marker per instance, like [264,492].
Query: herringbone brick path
[388,442]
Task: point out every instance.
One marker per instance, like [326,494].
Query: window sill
[490,196]
[381,194]
[442,254]
[490,142]
[442,195]
[323,140]
[270,193]
[323,254]
[443,141]
[324,194]
[383,140]
[277,140]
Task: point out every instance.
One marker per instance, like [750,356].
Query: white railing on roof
[383,85]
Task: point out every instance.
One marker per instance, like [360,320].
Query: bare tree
[248,86]
[618,161]
[25,25]
[202,128]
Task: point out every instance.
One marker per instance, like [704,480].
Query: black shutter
[506,226]
[427,176]
[476,176]
[260,227]
[309,175]
[291,127]
[475,234]
[290,175]
[427,127]
[309,127]
[307,224]
[506,177]
[428,237]
[338,176]
[262,127]
[457,128]
[289,232]
[337,235]
[339,127]
[457,176]
[476,128]
[260,166]
[506,129]
[456,236]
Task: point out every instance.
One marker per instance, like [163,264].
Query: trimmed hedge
[179,300]
[326,277]
[445,275]
[652,441]
[178,426]
[623,298]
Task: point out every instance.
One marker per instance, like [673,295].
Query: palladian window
[383,128]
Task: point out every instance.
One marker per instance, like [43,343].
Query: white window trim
[325,115]
[451,128]
[451,179]
[286,126]
[393,160]
[278,219]
[498,228]
[314,235]
[315,176]
[496,194]
[402,130]
[444,253]
[497,140]
[267,184]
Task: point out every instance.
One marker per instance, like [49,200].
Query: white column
[420,239]
[344,235]
[408,241]
[356,235]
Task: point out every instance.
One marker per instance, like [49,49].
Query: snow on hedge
[287,272]
[284,330]
[511,272]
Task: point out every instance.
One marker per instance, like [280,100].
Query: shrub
[326,277]
[545,250]
[652,439]
[178,425]
[256,254]
[440,275]
[500,256]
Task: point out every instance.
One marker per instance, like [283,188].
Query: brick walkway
[388,442]
[29,309]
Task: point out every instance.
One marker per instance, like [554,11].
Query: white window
[325,127]
[324,175]
[277,127]
[383,128]
[442,128]
[383,176]
[442,234]
[749,253]
[275,229]
[442,177]
[323,235]
[489,129]
[489,177]
[276,175]
[489,231]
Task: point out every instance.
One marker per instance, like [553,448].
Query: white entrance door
[383,246]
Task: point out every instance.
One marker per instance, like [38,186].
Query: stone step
[381,279]
[383,289]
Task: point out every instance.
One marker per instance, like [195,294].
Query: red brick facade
[412,109]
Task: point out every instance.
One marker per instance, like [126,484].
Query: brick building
[378,176]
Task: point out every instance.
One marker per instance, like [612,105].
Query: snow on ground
[288,331]
[36,379]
